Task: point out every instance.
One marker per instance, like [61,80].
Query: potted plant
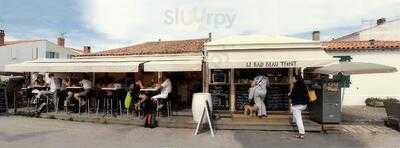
[392,107]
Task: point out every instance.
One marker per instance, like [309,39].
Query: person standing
[258,92]
[299,97]
[55,86]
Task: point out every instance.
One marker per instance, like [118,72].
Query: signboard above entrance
[272,64]
[263,58]
[267,64]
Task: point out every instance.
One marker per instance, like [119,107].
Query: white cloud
[134,20]
[115,18]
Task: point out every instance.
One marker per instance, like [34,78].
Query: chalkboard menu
[3,102]
[242,95]
[277,98]
[220,97]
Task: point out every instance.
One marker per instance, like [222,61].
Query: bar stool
[108,104]
[120,96]
[87,98]
[97,101]
[168,107]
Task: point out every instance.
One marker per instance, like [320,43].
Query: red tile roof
[359,45]
[160,47]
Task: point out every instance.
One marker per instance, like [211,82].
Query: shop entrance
[231,87]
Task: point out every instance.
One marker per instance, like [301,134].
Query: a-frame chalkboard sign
[207,113]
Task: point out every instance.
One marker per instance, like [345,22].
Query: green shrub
[390,100]
[374,101]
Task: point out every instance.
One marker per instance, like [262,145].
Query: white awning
[87,66]
[351,68]
[260,51]
[172,66]
[268,58]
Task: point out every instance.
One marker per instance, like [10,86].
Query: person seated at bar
[136,86]
[66,82]
[34,76]
[166,88]
[134,89]
[258,92]
[39,81]
[37,84]
[87,86]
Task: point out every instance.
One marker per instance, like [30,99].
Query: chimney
[380,21]
[315,35]
[371,42]
[2,37]
[86,49]
[61,41]
[209,36]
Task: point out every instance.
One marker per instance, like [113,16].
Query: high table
[74,87]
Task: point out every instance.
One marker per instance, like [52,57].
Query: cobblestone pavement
[367,124]
[363,114]
[22,132]
[373,135]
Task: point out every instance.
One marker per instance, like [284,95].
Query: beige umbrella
[350,68]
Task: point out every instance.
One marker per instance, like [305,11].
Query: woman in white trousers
[299,96]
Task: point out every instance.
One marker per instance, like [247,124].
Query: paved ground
[364,114]
[22,132]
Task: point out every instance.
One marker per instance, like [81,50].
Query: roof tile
[159,47]
[359,45]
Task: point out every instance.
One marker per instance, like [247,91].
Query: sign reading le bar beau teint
[272,64]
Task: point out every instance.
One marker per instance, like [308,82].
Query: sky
[106,24]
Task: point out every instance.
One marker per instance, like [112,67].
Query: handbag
[128,100]
[312,95]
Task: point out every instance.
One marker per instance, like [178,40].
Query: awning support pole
[232,96]
[205,72]
[290,86]
[94,78]
[159,77]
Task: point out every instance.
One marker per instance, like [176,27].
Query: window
[52,55]
[344,58]
[13,54]
[35,53]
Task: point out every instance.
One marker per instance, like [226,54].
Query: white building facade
[369,85]
[12,52]
[383,30]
